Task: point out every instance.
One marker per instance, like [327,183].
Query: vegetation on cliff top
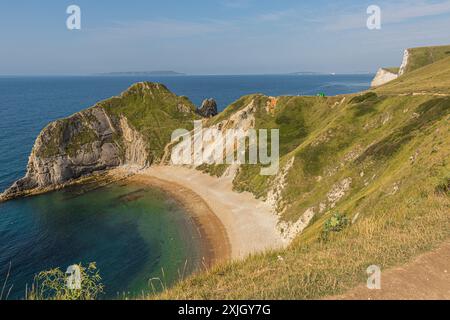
[380,159]
[392,69]
[423,56]
[150,108]
[154,112]
[433,78]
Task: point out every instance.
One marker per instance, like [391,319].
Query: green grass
[393,69]
[392,228]
[153,111]
[392,145]
[85,137]
[432,79]
[395,148]
[150,108]
[423,56]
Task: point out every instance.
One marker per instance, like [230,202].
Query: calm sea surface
[131,238]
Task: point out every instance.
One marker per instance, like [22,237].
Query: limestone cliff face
[135,147]
[383,76]
[131,129]
[86,142]
[404,64]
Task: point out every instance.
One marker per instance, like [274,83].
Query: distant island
[144,73]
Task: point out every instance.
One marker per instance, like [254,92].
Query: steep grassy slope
[154,112]
[378,159]
[432,78]
[423,56]
[393,69]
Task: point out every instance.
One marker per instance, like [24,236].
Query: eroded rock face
[208,108]
[130,129]
[383,76]
[86,142]
[404,63]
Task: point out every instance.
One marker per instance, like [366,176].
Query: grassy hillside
[153,111]
[420,57]
[433,78]
[150,108]
[393,69]
[375,170]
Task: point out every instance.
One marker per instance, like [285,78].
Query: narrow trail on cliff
[425,278]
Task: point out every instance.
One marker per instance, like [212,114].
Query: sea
[142,243]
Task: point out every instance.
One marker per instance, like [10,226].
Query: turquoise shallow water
[132,232]
[131,238]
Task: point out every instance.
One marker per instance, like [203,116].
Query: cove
[133,232]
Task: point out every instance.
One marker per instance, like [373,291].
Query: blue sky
[214,36]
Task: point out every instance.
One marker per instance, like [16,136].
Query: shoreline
[234,225]
[215,246]
[249,224]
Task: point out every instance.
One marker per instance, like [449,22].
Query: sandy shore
[215,245]
[245,223]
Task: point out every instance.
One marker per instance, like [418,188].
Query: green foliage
[336,223]
[364,97]
[394,70]
[214,170]
[427,113]
[154,112]
[433,78]
[443,188]
[291,123]
[423,56]
[392,144]
[85,137]
[52,285]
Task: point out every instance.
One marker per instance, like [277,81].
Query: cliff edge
[114,132]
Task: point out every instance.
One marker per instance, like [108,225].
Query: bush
[336,223]
[364,97]
[444,187]
[52,285]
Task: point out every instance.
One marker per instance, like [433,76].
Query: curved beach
[214,240]
[233,224]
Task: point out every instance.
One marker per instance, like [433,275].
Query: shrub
[52,285]
[364,97]
[443,188]
[336,223]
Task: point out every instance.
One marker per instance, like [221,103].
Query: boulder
[208,108]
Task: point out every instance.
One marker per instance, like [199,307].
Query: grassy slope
[420,57]
[433,78]
[394,148]
[154,112]
[392,69]
[150,108]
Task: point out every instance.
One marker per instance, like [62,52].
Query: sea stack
[208,108]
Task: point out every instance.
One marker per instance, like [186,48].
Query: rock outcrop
[404,64]
[383,76]
[86,142]
[102,137]
[208,108]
